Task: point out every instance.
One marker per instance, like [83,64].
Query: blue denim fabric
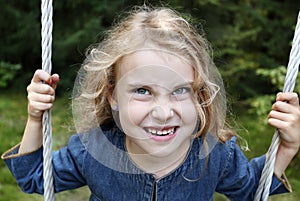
[227,171]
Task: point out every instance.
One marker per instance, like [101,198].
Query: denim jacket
[98,159]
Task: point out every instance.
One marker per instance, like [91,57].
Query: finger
[41,76]
[42,98]
[285,107]
[36,110]
[35,107]
[280,116]
[277,123]
[289,97]
[285,121]
[40,88]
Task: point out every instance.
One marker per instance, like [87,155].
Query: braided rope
[46,20]
[263,189]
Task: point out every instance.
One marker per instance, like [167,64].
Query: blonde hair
[160,28]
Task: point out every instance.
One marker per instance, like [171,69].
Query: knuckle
[38,72]
[47,89]
[294,96]
[28,89]
[276,105]
[50,98]
[270,114]
[29,98]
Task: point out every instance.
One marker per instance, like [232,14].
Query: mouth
[162,132]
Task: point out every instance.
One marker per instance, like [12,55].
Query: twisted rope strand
[265,181]
[46,31]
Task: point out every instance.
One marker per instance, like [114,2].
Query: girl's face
[154,98]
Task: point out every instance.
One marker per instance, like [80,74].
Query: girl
[149,108]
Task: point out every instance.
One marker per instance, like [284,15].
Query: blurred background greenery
[251,41]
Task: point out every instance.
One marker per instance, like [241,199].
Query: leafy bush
[261,104]
[8,72]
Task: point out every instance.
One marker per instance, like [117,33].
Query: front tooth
[164,132]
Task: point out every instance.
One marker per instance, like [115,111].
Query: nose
[162,113]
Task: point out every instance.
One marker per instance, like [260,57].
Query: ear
[112,100]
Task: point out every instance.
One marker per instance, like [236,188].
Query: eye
[180,91]
[142,91]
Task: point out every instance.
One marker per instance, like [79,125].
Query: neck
[159,166]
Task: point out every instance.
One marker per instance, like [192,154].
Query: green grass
[13,116]
[258,135]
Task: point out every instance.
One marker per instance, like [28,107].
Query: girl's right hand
[41,94]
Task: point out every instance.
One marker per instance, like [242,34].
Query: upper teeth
[161,132]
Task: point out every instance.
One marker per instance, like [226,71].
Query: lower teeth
[161,134]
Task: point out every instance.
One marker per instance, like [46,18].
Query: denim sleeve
[67,167]
[240,178]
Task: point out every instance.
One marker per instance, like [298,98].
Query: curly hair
[157,28]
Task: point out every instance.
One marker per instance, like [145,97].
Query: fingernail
[277,96]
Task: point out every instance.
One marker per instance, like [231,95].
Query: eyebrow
[138,84]
[190,83]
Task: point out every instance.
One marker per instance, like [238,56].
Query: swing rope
[46,31]
[265,181]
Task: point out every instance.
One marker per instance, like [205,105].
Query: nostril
[162,113]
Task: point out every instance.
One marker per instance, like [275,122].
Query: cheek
[134,112]
[189,113]
[132,117]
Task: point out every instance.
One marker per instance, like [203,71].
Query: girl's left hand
[285,116]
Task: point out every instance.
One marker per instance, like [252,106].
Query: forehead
[155,67]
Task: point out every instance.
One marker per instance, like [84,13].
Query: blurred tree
[246,35]
[7,72]
[19,32]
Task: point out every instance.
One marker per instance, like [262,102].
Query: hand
[41,94]
[285,116]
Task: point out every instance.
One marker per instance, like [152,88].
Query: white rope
[263,189]
[47,26]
